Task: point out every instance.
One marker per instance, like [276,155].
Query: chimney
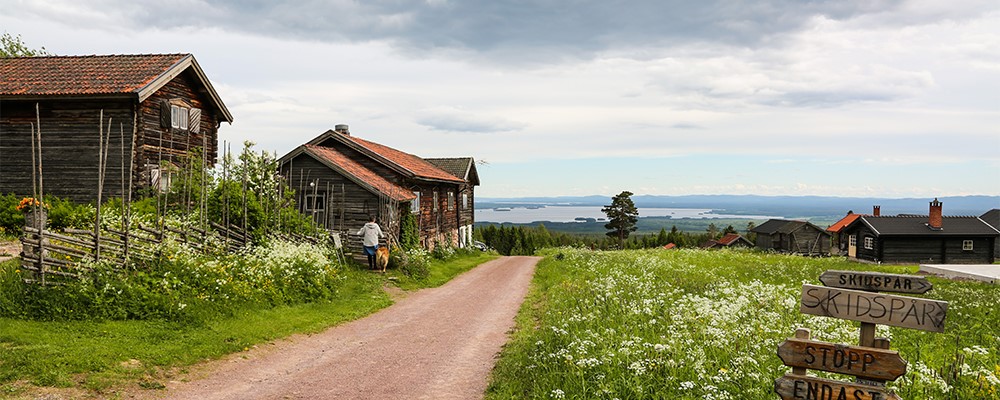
[876,210]
[342,129]
[934,219]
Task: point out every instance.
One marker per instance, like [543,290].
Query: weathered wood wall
[158,143]
[70,143]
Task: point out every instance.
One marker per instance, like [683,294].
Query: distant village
[167,110]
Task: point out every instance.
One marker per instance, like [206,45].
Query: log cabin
[342,180]
[927,239]
[159,109]
[787,236]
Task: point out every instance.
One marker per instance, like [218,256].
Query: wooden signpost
[876,282]
[876,308]
[853,295]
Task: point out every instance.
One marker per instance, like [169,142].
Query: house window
[435,207]
[967,245]
[465,201]
[315,202]
[869,242]
[853,240]
[179,117]
[415,204]
[451,201]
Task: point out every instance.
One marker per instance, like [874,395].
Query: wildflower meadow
[695,324]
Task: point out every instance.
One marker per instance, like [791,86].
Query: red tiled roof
[837,226]
[669,246]
[728,239]
[415,165]
[82,75]
[360,173]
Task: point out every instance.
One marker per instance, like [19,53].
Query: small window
[869,243]
[435,207]
[160,178]
[415,204]
[853,240]
[315,202]
[451,201]
[179,117]
[967,245]
[465,201]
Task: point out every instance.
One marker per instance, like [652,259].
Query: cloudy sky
[773,97]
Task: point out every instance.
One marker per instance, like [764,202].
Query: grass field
[698,324]
[98,358]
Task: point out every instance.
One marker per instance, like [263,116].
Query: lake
[522,215]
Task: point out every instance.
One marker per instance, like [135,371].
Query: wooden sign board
[795,387]
[867,362]
[877,282]
[876,308]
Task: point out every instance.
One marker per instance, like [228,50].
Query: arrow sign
[876,308]
[867,362]
[876,282]
[795,387]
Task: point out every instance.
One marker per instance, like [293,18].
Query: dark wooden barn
[800,237]
[159,108]
[342,180]
[992,217]
[926,239]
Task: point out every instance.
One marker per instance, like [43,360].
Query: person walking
[371,232]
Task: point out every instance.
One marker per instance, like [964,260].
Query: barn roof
[462,167]
[64,76]
[405,163]
[784,226]
[843,223]
[358,173]
[916,225]
[992,217]
[730,239]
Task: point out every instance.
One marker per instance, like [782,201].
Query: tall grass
[698,324]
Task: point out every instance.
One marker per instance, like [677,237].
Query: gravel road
[433,344]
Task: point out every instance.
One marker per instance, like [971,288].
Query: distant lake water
[521,215]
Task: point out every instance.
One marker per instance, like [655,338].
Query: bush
[414,263]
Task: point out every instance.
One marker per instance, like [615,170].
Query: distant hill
[786,206]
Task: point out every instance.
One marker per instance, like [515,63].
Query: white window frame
[436,199]
[415,204]
[451,201]
[869,242]
[967,245]
[852,240]
[465,201]
[179,117]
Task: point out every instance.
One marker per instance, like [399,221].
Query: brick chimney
[934,219]
[876,210]
[342,129]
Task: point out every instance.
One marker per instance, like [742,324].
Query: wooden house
[730,240]
[343,180]
[800,237]
[463,168]
[992,217]
[159,108]
[839,238]
[927,239]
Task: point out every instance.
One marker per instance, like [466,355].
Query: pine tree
[622,217]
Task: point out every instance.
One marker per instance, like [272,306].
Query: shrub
[414,263]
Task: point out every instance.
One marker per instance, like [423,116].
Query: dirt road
[433,344]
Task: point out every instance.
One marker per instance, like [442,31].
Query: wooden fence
[52,257]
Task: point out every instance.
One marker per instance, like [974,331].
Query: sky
[867,98]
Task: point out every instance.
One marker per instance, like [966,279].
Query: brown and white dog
[382,257]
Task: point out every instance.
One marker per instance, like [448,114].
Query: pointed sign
[876,282]
[867,362]
[876,308]
[796,387]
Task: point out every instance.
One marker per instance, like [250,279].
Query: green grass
[102,356]
[442,271]
[696,324]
